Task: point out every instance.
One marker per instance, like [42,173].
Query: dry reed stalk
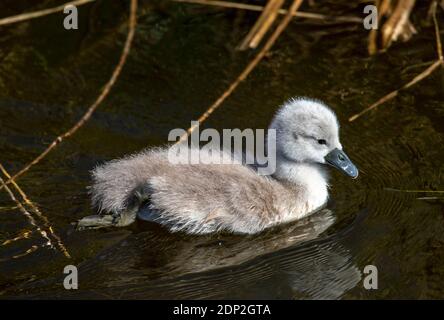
[104,93]
[416,79]
[383,9]
[398,24]
[262,25]
[252,7]
[36,210]
[249,68]
[437,32]
[40,13]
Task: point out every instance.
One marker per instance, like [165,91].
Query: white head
[307,132]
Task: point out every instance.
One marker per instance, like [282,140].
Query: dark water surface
[182,59]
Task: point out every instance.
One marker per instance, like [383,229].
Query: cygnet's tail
[116,182]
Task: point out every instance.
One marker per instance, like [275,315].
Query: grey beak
[338,159]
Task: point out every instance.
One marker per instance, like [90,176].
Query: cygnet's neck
[310,177]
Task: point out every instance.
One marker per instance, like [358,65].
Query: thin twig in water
[252,7]
[97,102]
[393,94]
[40,13]
[250,67]
[8,208]
[21,255]
[23,235]
[417,65]
[30,250]
[414,191]
[36,210]
[429,198]
[418,78]
[28,215]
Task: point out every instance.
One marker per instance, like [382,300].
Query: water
[183,58]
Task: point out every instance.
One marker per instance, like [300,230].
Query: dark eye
[322,141]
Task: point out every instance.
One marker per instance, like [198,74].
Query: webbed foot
[104,221]
[95,222]
[120,219]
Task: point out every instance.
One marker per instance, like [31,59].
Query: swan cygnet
[204,198]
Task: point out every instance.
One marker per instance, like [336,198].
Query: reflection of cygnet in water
[205,198]
[136,265]
[311,268]
[197,255]
[325,273]
[296,261]
[184,254]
